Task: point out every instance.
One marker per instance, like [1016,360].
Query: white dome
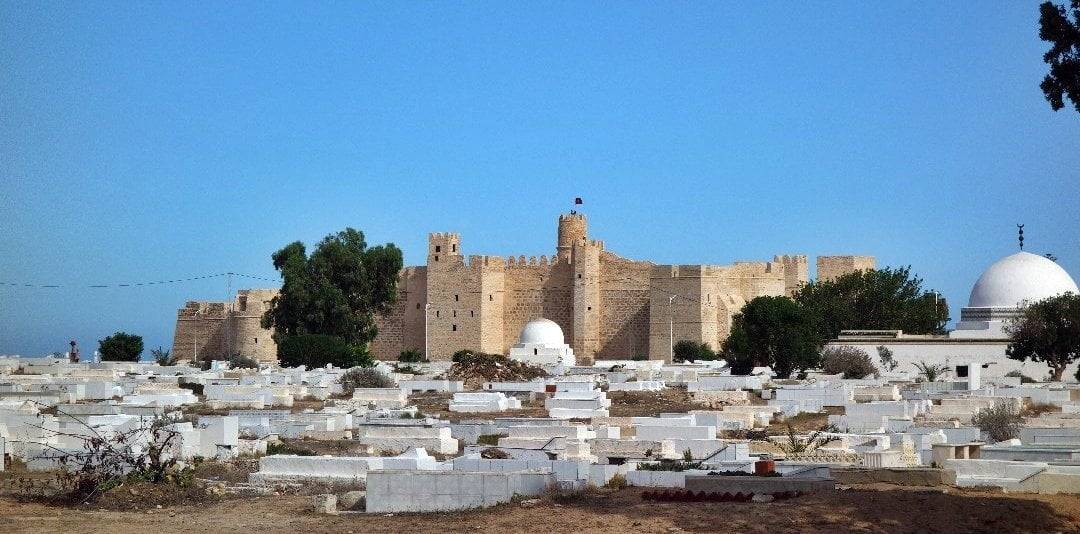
[1017,278]
[542,331]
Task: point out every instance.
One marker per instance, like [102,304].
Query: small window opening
[453,248]
[438,248]
[454,329]
[418,305]
[456,298]
[436,258]
[436,313]
[491,298]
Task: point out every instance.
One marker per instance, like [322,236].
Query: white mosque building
[977,346]
[542,343]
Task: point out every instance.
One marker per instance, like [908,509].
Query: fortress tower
[607,306]
[573,229]
[796,272]
[833,267]
[586,269]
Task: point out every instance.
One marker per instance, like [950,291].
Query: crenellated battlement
[533,261]
[607,306]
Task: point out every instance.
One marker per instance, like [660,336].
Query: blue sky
[142,141]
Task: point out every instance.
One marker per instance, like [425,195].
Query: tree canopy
[888,298]
[121,347]
[1047,331]
[1063,34]
[686,350]
[336,291]
[775,332]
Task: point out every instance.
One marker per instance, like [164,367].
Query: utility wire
[135,284]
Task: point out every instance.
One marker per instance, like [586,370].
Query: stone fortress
[608,307]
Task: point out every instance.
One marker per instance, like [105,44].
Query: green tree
[336,291]
[1047,331]
[889,298]
[121,347]
[775,332]
[1063,34]
[317,350]
[686,350]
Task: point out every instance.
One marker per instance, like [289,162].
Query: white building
[979,338]
[542,343]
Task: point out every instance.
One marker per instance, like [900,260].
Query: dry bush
[847,361]
[105,460]
[364,377]
[1000,421]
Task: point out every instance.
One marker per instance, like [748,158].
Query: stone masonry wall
[608,307]
[833,267]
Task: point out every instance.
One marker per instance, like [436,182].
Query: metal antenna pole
[671,328]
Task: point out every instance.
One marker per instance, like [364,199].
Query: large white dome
[543,331]
[1017,278]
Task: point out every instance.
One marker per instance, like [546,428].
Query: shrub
[407,370]
[930,372]
[692,351]
[847,361]
[886,357]
[364,377]
[163,357]
[237,361]
[317,350]
[797,445]
[411,356]
[121,347]
[1025,379]
[616,482]
[1000,421]
[281,447]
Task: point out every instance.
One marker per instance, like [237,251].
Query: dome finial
[1020,227]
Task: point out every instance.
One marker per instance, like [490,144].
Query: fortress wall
[624,307]
[206,327]
[535,291]
[751,279]
[833,267]
[491,304]
[403,327]
[681,319]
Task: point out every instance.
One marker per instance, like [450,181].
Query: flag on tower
[578,201]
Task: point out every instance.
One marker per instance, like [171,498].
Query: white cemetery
[423,441]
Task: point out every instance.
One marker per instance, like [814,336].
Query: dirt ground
[437,405]
[862,509]
[651,403]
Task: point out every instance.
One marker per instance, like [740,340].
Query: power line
[134,284]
